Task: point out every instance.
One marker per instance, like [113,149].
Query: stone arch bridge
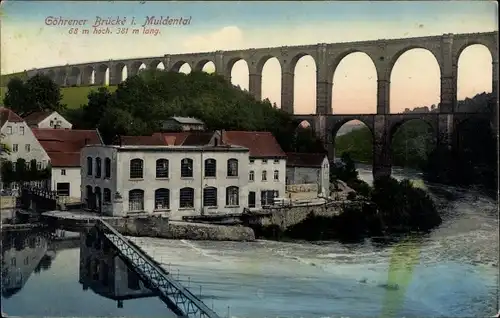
[445,127]
[383,53]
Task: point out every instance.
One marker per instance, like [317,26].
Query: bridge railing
[181,300]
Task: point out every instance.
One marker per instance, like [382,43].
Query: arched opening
[62,78]
[136,200]
[304,86]
[102,75]
[76,79]
[305,140]
[206,66]
[88,76]
[156,64]
[162,199]
[353,137]
[181,67]
[475,77]
[412,142]
[271,81]
[415,82]
[355,85]
[52,75]
[121,72]
[240,75]
[135,68]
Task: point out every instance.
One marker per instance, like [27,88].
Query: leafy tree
[38,93]
[21,171]
[4,148]
[8,174]
[94,110]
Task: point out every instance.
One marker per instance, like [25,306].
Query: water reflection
[23,252]
[104,272]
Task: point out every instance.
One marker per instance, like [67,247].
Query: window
[232,196]
[98,167]
[9,130]
[63,188]
[136,200]
[251,176]
[63,172]
[51,123]
[26,260]
[267,197]
[276,175]
[252,161]
[210,196]
[89,166]
[210,168]
[276,161]
[15,148]
[264,175]
[13,261]
[136,169]
[162,199]
[186,197]
[162,168]
[106,195]
[21,130]
[39,165]
[107,168]
[232,168]
[251,199]
[186,168]
[27,147]
[264,161]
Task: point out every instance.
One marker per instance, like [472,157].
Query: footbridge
[177,297]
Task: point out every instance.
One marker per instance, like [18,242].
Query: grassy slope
[72,96]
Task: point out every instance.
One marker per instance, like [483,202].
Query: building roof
[299,159]
[63,146]
[260,143]
[8,115]
[36,117]
[198,138]
[187,120]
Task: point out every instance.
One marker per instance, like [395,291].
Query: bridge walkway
[177,297]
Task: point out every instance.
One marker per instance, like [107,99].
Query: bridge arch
[460,48]
[181,67]
[353,136]
[121,72]
[303,67]
[102,75]
[52,75]
[474,61]
[205,65]
[62,77]
[135,68]
[406,70]
[393,59]
[354,68]
[238,73]
[155,64]
[75,74]
[88,75]
[270,69]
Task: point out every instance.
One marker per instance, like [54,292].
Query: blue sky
[28,43]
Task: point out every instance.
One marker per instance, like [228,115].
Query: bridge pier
[255,85]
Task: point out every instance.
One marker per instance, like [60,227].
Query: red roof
[260,143]
[8,115]
[64,145]
[36,117]
[299,159]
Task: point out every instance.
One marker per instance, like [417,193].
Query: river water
[452,272]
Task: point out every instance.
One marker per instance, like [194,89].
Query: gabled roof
[8,115]
[261,144]
[309,160]
[193,138]
[63,146]
[36,117]
[187,120]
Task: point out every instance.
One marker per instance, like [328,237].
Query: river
[452,272]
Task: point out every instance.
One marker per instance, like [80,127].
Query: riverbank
[147,226]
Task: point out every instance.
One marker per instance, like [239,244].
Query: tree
[95,108]
[4,148]
[38,93]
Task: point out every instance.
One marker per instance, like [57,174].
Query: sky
[27,42]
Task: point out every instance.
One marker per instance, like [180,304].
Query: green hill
[72,96]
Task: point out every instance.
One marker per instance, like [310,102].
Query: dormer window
[51,123]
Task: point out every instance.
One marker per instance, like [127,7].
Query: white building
[267,165]
[63,149]
[308,168]
[165,180]
[22,142]
[47,120]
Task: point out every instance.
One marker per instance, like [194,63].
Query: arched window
[106,195]
[89,200]
[210,168]
[276,175]
[89,166]
[136,200]
[162,199]
[210,196]
[251,176]
[186,198]
[232,196]
[232,167]
[98,167]
[136,169]
[186,168]
[264,175]
[162,168]
[107,168]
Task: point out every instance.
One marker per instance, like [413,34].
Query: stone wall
[162,227]
[287,216]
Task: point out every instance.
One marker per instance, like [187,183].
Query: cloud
[227,38]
